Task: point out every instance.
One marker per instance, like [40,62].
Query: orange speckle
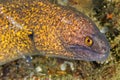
[109,16]
[61,72]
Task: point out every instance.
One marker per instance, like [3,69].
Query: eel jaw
[87,54]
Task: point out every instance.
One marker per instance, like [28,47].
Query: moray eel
[38,27]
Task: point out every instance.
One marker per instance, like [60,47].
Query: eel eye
[88,41]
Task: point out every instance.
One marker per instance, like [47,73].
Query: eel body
[38,27]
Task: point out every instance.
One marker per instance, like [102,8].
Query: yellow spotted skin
[38,27]
[19,18]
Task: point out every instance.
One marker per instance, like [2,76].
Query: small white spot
[71,65]
[64,20]
[1,12]
[11,20]
[104,30]
[38,69]
[23,57]
[63,66]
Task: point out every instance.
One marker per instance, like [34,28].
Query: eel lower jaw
[83,53]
